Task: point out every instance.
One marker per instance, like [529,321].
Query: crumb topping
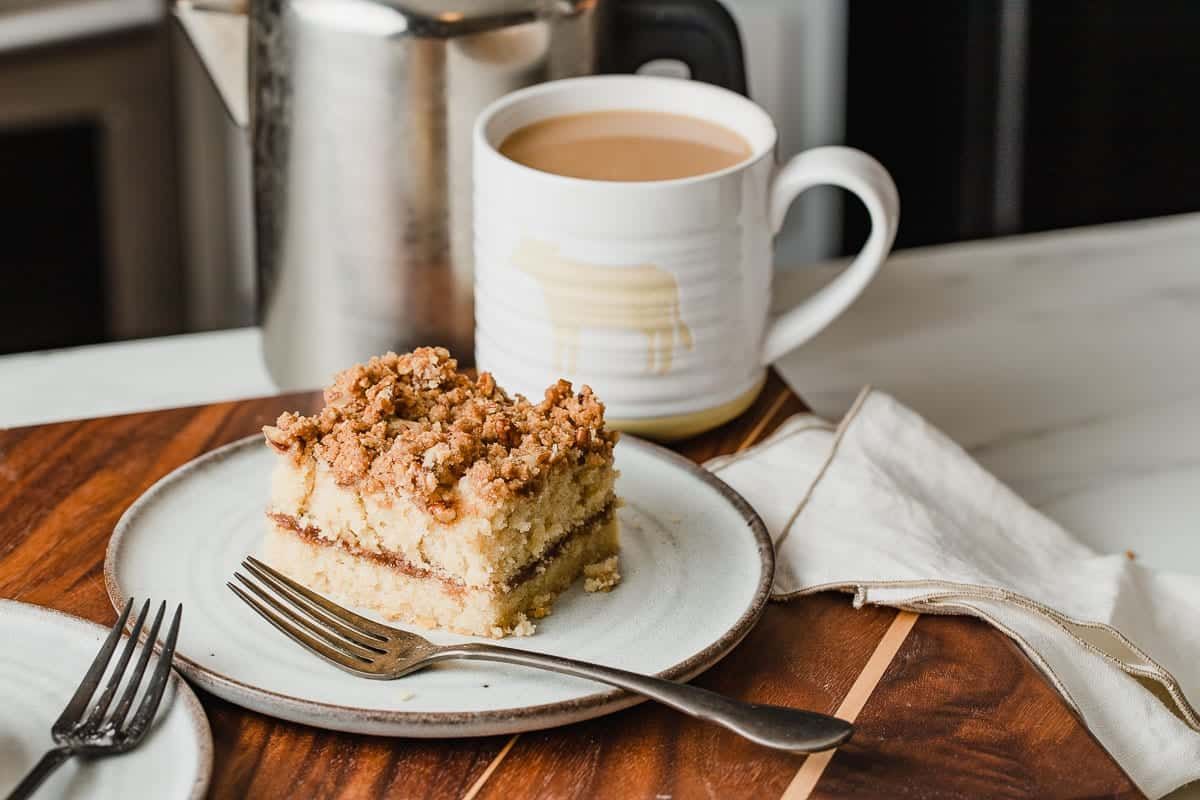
[601,576]
[413,424]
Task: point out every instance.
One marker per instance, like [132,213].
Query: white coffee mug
[655,293]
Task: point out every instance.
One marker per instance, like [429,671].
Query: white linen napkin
[887,507]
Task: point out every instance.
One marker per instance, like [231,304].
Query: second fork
[78,732]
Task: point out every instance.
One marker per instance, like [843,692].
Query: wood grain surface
[959,712]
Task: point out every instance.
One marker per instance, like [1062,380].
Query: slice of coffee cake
[439,500]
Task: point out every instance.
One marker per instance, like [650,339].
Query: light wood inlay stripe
[756,431]
[814,766]
[487,773]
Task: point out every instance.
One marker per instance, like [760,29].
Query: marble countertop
[1065,362]
[141,375]
[32,24]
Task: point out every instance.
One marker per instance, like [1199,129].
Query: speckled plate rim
[183,694]
[492,722]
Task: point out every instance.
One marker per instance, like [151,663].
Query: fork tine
[365,638]
[83,695]
[114,680]
[158,681]
[368,627]
[311,626]
[346,662]
[123,705]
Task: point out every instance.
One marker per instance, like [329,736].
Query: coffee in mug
[626,145]
[653,287]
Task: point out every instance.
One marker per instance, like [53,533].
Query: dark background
[51,248]
[994,116]
[1007,117]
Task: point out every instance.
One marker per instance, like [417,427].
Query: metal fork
[365,647]
[94,734]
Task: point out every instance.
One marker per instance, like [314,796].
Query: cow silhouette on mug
[635,297]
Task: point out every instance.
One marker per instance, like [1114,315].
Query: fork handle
[49,762]
[790,729]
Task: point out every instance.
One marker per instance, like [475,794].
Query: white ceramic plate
[696,565]
[44,656]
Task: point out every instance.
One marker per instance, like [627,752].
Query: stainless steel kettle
[359,115]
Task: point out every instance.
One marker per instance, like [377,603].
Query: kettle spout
[219,30]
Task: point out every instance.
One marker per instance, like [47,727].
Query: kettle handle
[700,33]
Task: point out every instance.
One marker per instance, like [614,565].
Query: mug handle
[857,172]
[700,33]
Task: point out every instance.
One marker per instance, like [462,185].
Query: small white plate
[696,566]
[43,659]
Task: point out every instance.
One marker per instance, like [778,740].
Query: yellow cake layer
[486,545]
[405,592]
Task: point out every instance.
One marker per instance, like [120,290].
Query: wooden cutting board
[949,706]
